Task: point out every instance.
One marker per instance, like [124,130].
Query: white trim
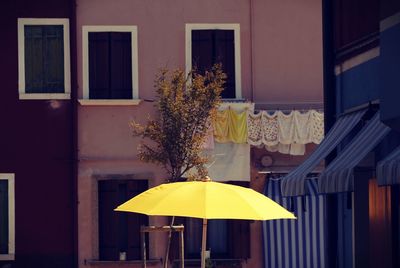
[216,26]
[357,60]
[21,58]
[97,102]
[85,54]
[10,177]
[389,22]
[44,96]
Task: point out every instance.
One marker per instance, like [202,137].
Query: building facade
[366,61]
[272,51]
[38,208]
[360,149]
[77,72]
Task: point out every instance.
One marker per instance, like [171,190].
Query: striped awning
[339,176]
[293,184]
[388,170]
[299,243]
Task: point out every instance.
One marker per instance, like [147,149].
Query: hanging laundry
[316,127]
[285,133]
[269,128]
[254,129]
[231,126]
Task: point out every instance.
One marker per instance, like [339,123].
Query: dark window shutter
[215,46]
[110,65]
[121,66]
[108,220]
[240,239]
[135,221]
[4,217]
[54,59]
[239,233]
[99,65]
[44,59]
[217,238]
[119,231]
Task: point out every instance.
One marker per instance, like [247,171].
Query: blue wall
[390,76]
[358,85]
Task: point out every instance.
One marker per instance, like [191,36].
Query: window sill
[88,102]
[231,262]
[7,257]
[120,263]
[44,96]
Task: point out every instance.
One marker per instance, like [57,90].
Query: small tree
[186,107]
[185,111]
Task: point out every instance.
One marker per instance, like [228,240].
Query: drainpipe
[329,112]
[251,14]
[74,130]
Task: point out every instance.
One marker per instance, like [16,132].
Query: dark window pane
[119,231]
[217,238]
[215,46]
[4,217]
[44,59]
[193,233]
[110,65]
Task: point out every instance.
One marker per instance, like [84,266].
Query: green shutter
[44,59]
[4,217]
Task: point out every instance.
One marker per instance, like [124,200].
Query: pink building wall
[287,58]
[281,63]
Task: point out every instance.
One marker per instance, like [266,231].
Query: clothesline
[277,131]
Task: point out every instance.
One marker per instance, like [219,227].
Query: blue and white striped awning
[296,243]
[293,184]
[339,176]
[388,170]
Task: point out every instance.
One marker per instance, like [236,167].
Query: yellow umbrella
[205,200]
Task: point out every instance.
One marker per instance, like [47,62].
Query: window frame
[189,27]
[21,58]
[10,177]
[86,29]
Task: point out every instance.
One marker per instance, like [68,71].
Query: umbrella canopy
[206,200]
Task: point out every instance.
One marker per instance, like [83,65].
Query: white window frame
[11,216]
[216,26]
[21,58]
[86,29]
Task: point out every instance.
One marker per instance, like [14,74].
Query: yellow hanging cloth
[231,126]
[221,126]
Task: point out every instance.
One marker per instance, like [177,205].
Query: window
[7,245]
[207,44]
[110,63]
[43,59]
[227,239]
[119,231]
[356,27]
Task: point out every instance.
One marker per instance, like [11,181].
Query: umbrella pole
[203,244]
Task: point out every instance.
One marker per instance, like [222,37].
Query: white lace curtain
[285,133]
